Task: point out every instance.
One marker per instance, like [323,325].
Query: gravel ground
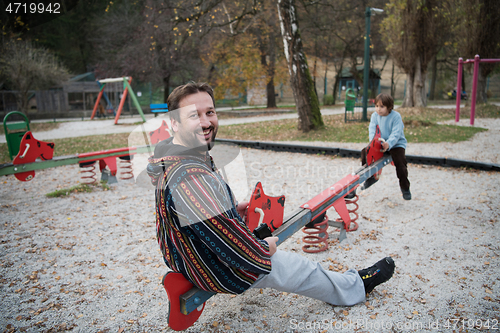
[89,262]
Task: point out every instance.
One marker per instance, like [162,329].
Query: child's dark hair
[386,100]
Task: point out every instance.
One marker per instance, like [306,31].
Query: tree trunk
[481,96]
[416,94]
[393,86]
[432,94]
[166,87]
[271,95]
[314,75]
[419,92]
[306,99]
[337,82]
[325,90]
[408,100]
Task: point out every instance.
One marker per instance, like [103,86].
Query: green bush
[328,100]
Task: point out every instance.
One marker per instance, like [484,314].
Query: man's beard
[195,143]
[211,143]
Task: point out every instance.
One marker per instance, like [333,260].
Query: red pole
[96,104]
[122,102]
[459,88]
[474,90]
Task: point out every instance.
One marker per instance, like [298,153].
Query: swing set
[476,62]
[126,89]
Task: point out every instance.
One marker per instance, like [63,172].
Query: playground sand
[89,262]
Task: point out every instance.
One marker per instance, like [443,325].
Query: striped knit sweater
[199,231]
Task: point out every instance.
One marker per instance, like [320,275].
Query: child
[392,131]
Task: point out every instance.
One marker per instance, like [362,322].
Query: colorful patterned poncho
[199,231]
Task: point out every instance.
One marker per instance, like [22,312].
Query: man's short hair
[187,89]
[386,100]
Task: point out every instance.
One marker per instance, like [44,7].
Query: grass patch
[421,125]
[434,133]
[38,127]
[66,191]
[286,130]
[83,144]
[80,188]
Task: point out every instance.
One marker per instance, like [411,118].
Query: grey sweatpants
[296,274]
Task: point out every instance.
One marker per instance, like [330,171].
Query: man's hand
[242,209]
[272,244]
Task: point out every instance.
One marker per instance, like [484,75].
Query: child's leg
[399,159]
[296,274]
[363,156]
[369,182]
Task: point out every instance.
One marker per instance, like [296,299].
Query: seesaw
[25,163]
[265,218]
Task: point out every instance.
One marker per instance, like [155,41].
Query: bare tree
[160,40]
[246,52]
[28,67]
[335,31]
[306,99]
[413,30]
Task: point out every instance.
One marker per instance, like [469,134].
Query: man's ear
[175,125]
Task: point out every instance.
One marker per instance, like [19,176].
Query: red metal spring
[352,213]
[87,172]
[317,237]
[126,167]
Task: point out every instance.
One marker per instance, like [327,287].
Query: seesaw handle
[25,151]
[261,213]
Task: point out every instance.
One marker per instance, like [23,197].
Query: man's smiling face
[198,123]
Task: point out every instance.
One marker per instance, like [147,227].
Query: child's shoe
[351,195]
[406,194]
[377,274]
[369,182]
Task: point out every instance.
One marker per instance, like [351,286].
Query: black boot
[377,274]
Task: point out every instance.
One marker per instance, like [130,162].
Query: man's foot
[377,274]
[406,194]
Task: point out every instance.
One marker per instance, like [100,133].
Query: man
[200,228]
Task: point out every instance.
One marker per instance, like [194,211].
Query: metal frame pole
[459,88]
[474,90]
[366,71]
